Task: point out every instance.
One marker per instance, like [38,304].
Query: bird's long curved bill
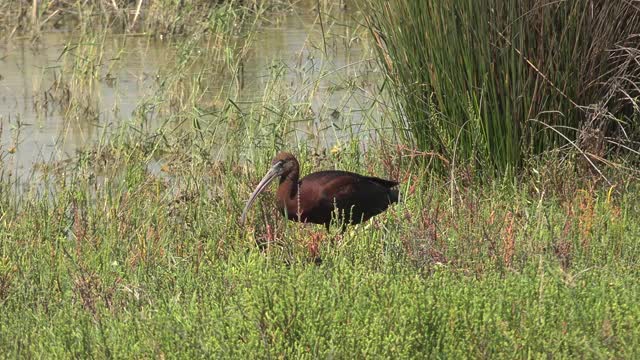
[275,171]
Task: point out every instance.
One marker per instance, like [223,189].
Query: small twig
[380,44]
[535,68]
[324,41]
[50,16]
[417,153]
[135,17]
[576,147]
[34,11]
[453,165]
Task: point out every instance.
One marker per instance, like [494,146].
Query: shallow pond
[34,130]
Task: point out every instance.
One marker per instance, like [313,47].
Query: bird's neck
[288,188]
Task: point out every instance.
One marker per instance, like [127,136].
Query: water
[35,131]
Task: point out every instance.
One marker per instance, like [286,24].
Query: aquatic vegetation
[158,18]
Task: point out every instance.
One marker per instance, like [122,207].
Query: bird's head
[282,165]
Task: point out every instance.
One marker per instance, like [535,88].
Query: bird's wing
[356,193]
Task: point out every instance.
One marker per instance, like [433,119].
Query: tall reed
[468,77]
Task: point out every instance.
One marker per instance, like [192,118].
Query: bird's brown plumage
[316,197]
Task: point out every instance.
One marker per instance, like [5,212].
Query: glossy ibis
[315,197]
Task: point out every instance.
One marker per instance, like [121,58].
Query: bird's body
[324,196]
[315,197]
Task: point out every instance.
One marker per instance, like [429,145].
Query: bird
[316,197]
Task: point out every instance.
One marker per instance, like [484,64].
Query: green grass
[248,306]
[137,267]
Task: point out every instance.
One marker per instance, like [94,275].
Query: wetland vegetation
[132,133]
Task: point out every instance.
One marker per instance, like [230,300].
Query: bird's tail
[394,196]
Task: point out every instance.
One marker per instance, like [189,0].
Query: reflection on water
[34,129]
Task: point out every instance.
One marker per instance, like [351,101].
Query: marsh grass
[494,83]
[141,265]
[157,18]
